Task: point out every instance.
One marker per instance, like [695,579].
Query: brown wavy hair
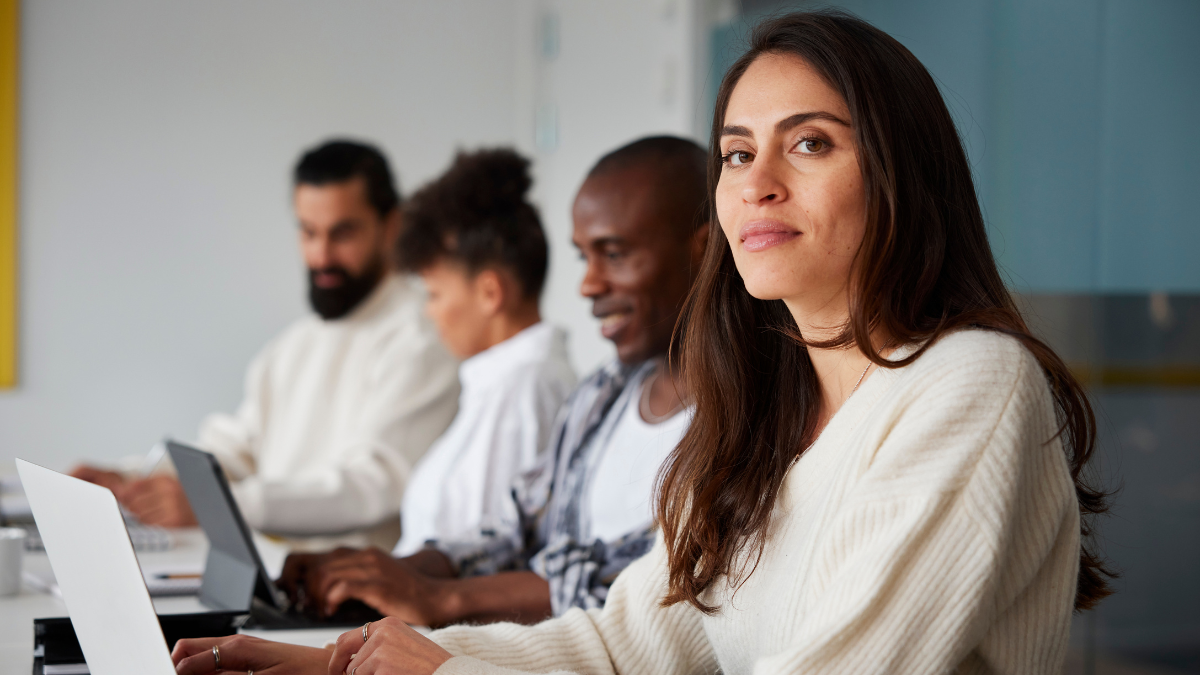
[924,268]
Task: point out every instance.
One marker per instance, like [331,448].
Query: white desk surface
[17,613]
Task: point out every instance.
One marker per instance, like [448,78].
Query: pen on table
[190,575]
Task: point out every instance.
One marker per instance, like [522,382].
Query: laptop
[93,560]
[234,576]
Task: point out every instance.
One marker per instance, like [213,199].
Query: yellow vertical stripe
[10,31]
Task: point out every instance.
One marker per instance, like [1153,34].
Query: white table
[190,548]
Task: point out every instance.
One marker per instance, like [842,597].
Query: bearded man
[341,405]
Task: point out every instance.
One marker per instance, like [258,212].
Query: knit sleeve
[964,512]
[632,634]
[408,399]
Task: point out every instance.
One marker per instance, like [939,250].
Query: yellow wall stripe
[10,31]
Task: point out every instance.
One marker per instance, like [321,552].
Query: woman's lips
[760,235]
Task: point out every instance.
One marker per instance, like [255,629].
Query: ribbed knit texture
[933,528]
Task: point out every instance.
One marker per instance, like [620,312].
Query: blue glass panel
[1150,226]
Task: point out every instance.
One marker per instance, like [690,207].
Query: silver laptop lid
[97,572]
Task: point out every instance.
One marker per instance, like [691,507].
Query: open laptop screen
[96,569]
[233,570]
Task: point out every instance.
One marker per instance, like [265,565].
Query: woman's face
[790,197]
[460,307]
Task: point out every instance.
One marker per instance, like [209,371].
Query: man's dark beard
[336,302]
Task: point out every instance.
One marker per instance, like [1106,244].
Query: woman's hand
[245,653]
[392,648]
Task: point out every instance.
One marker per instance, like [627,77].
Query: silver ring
[354,670]
[216,658]
[365,626]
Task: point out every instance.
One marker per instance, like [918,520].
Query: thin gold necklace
[860,379]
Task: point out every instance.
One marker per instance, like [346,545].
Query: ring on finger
[365,627]
[216,658]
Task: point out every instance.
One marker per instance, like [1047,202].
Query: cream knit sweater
[932,528]
[335,415]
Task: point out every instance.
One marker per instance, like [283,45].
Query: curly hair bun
[486,182]
[476,214]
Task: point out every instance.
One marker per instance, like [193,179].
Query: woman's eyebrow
[735,130]
[800,118]
[785,124]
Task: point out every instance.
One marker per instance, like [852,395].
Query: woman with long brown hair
[885,469]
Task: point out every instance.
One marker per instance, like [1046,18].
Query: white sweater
[511,393]
[335,415]
[932,528]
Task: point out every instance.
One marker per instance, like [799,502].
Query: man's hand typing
[393,587]
[419,589]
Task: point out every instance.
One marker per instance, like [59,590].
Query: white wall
[624,69]
[158,249]
[157,243]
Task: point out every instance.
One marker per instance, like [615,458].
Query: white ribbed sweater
[932,528]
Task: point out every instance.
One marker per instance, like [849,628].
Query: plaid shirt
[549,530]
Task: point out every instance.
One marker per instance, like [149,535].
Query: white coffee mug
[12,552]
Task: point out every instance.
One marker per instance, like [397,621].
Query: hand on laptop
[245,653]
[420,589]
[391,647]
[157,500]
[391,586]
